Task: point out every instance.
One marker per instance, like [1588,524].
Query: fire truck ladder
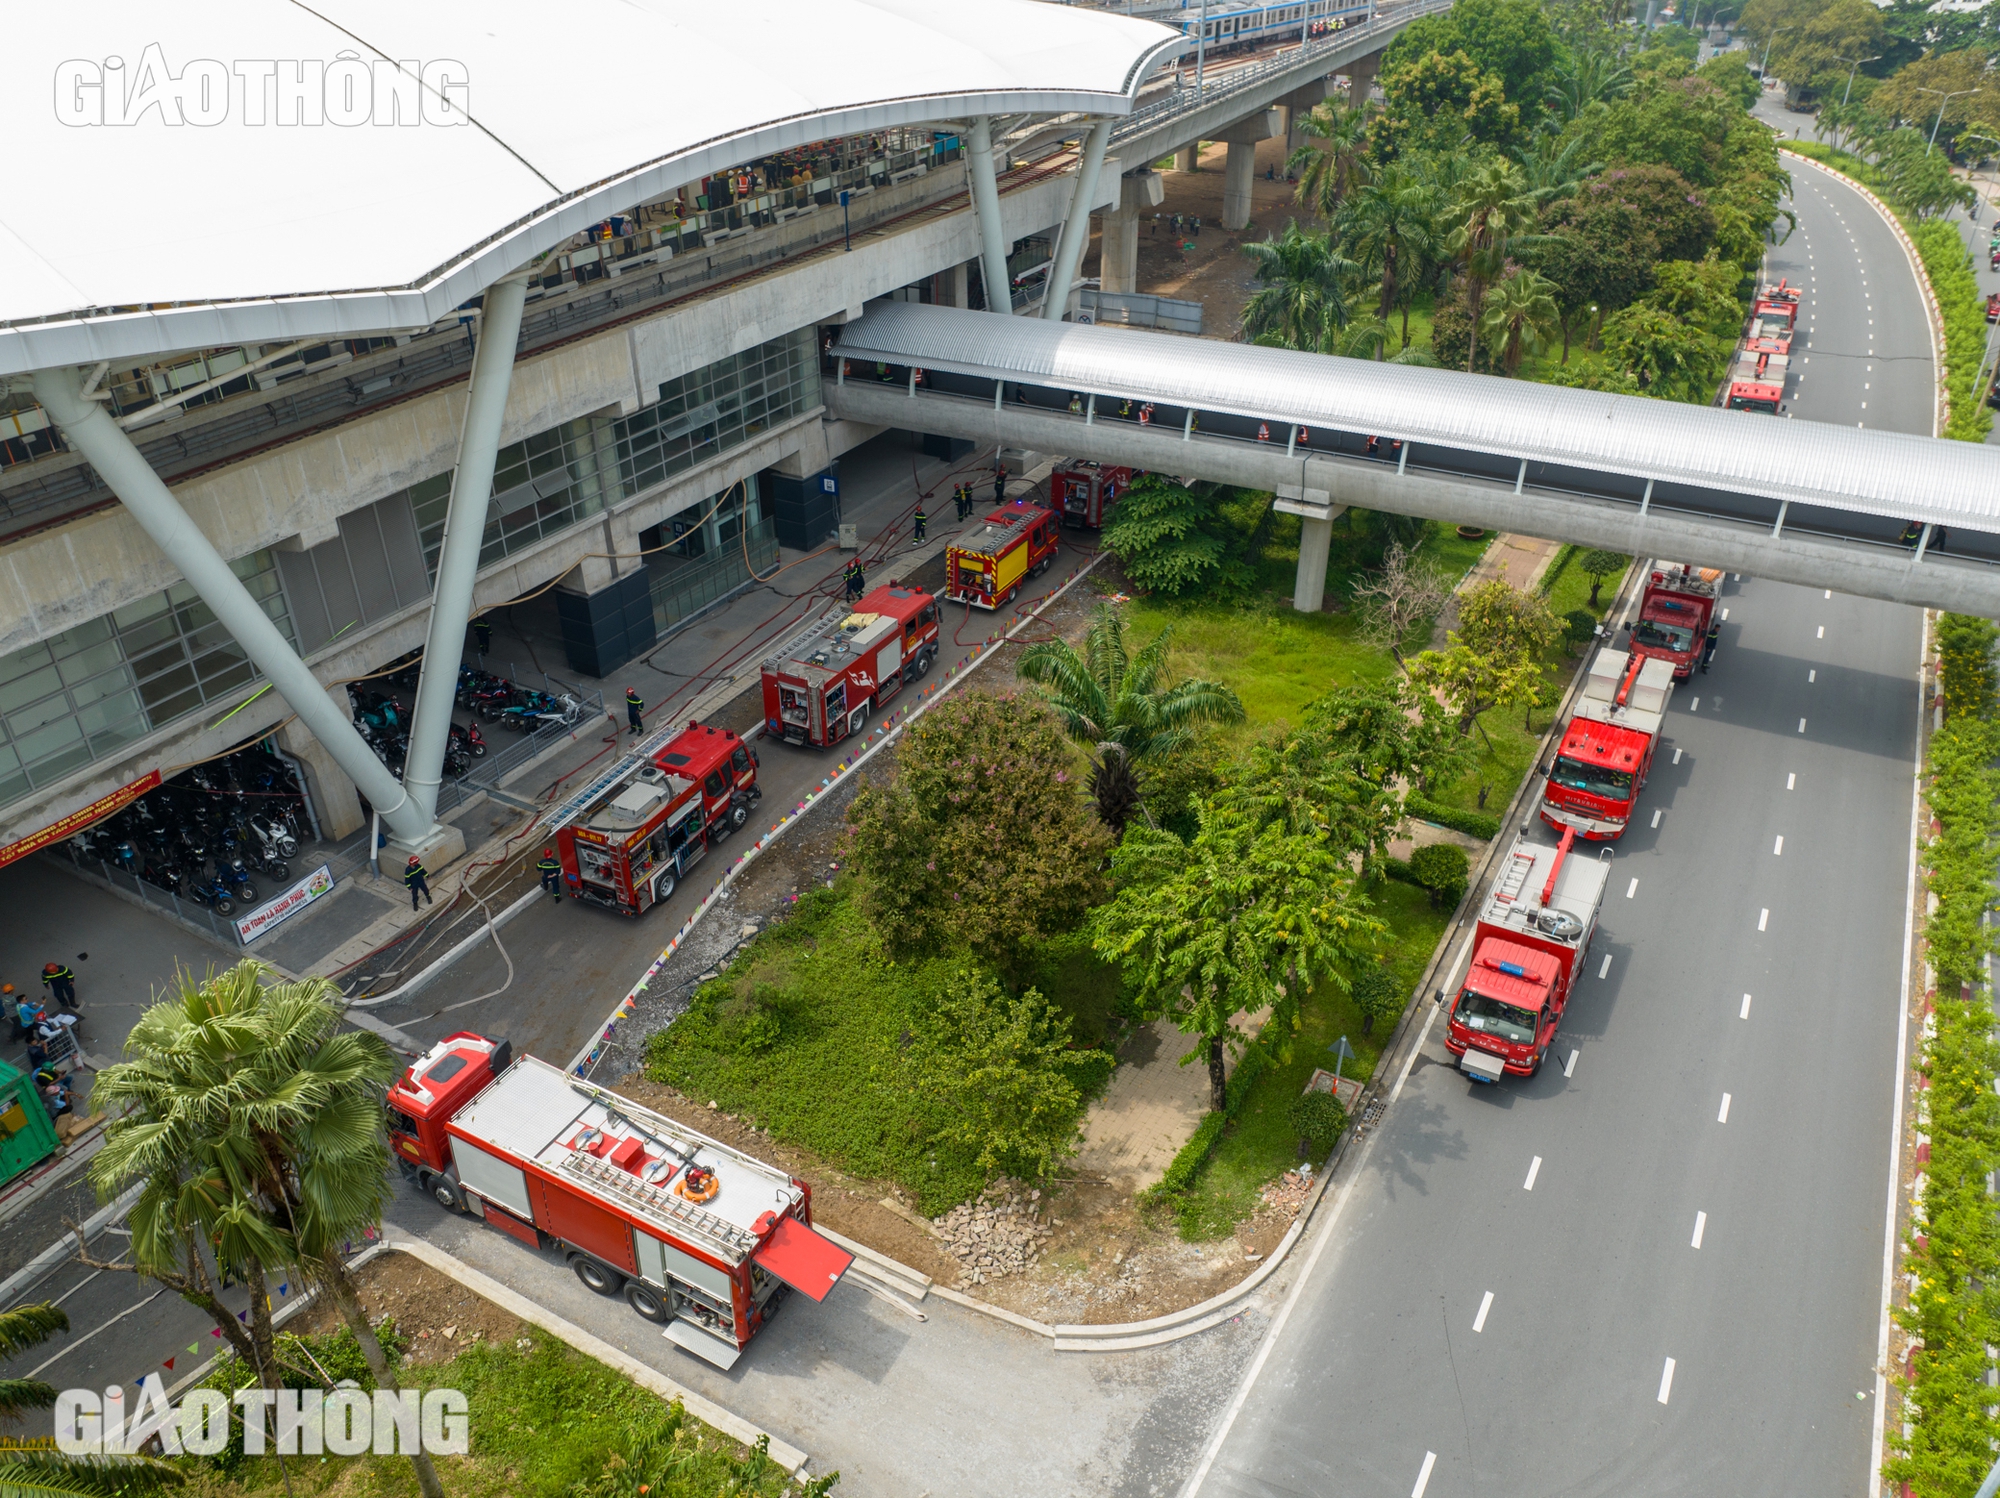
[795,648]
[588,797]
[1514,878]
[662,1205]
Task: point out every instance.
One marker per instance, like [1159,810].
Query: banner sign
[79,819]
[290,903]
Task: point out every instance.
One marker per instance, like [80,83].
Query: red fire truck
[1678,618]
[820,685]
[1763,355]
[1609,744]
[1527,950]
[988,564]
[1085,492]
[626,839]
[699,1238]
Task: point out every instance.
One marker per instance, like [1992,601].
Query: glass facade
[90,690]
[559,477]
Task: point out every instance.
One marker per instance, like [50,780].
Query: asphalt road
[1683,1238]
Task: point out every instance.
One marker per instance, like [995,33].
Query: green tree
[1517,318]
[1585,78]
[1511,39]
[1443,869]
[1318,1119]
[1965,657]
[1228,923]
[1121,708]
[31,1474]
[253,1123]
[1731,74]
[1392,222]
[982,840]
[1597,566]
[1302,298]
[1296,781]
[1377,995]
[1681,123]
[1701,293]
[1667,358]
[1918,176]
[1332,164]
[1387,733]
[993,1065]
[1495,208]
[1670,212]
[1493,657]
[1554,165]
[1438,100]
[1808,37]
[1163,536]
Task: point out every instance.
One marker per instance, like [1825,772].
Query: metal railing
[508,751]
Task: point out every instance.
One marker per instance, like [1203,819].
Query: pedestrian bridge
[1793,501]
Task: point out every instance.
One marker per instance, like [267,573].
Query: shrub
[1377,995]
[1318,1119]
[1579,625]
[1451,339]
[1965,649]
[1479,824]
[1166,538]
[1443,869]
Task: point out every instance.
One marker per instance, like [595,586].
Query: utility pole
[1857,61]
[1764,67]
[1944,99]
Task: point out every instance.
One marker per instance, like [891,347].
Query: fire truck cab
[629,837]
[1594,780]
[1678,619]
[699,1238]
[990,562]
[821,685]
[1085,492]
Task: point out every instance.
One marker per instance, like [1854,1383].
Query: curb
[1941,409]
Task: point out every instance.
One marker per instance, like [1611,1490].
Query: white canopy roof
[259,231]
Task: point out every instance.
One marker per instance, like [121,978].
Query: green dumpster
[27,1134]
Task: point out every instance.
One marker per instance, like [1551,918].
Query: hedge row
[1187,1164]
[1479,824]
[1949,265]
[1953,1244]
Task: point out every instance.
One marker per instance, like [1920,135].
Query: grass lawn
[1259,1144]
[830,1080]
[543,1422]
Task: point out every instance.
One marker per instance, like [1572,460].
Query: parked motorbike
[212,893]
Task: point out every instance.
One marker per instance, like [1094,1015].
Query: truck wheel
[739,813]
[924,663]
[596,1278]
[857,720]
[443,1193]
[647,1301]
[664,887]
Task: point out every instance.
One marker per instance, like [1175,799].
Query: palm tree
[1495,209]
[1120,708]
[1332,169]
[30,1474]
[1590,77]
[1388,222]
[1555,168]
[254,1123]
[1517,316]
[1304,296]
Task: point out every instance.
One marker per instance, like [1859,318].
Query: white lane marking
[1744,1013]
[1694,705]
[1569,1066]
[1822,633]
[1700,1227]
[1666,1380]
[1780,848]
[1763,916]
[1792,781]
[1534,1169]
[1632,888]
[1424,1475]
[1812,676]
[1722,1114]
[1829,592]
[1605,971]
[1479,1321]
[1677,756]
[1725,612]
[1802,725]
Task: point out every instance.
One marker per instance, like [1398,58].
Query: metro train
[1232,26]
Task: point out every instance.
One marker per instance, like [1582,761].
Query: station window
[88,691]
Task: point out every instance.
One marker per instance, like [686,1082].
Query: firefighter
[635,710]
[1000,486]
[920,520]
[550,870]
[1912,533]
[482,637]
[1708,647]
[1263,431]
[416,881]
[61,983]
[857,580]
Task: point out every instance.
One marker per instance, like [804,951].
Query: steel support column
[1076,228]
[986,208]
[464,528]
[89,427]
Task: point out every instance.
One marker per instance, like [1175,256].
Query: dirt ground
[1211,270]
[440,1316]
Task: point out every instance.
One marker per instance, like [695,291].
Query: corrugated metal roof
[1843,468]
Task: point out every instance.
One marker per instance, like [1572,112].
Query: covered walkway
[1792,501]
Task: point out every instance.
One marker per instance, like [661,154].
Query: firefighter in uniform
[858,581]
[635,709]
[416,881]
[61,983]
[1000,486]
[551,872]
[920,520]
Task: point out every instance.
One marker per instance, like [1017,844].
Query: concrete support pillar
[335,801]
[986,207]
[89,428]
[1297,107]
[1076,228]
[1188,158]
[464,529]
[1118,257]
[1315,545]
[1361,77]
[1236,179]
[958,285]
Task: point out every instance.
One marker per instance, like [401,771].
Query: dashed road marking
[1700,1227]
[1744,1012]
[1479,1321]
[1666,1381]
[1722,1114]
[1534,1169]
